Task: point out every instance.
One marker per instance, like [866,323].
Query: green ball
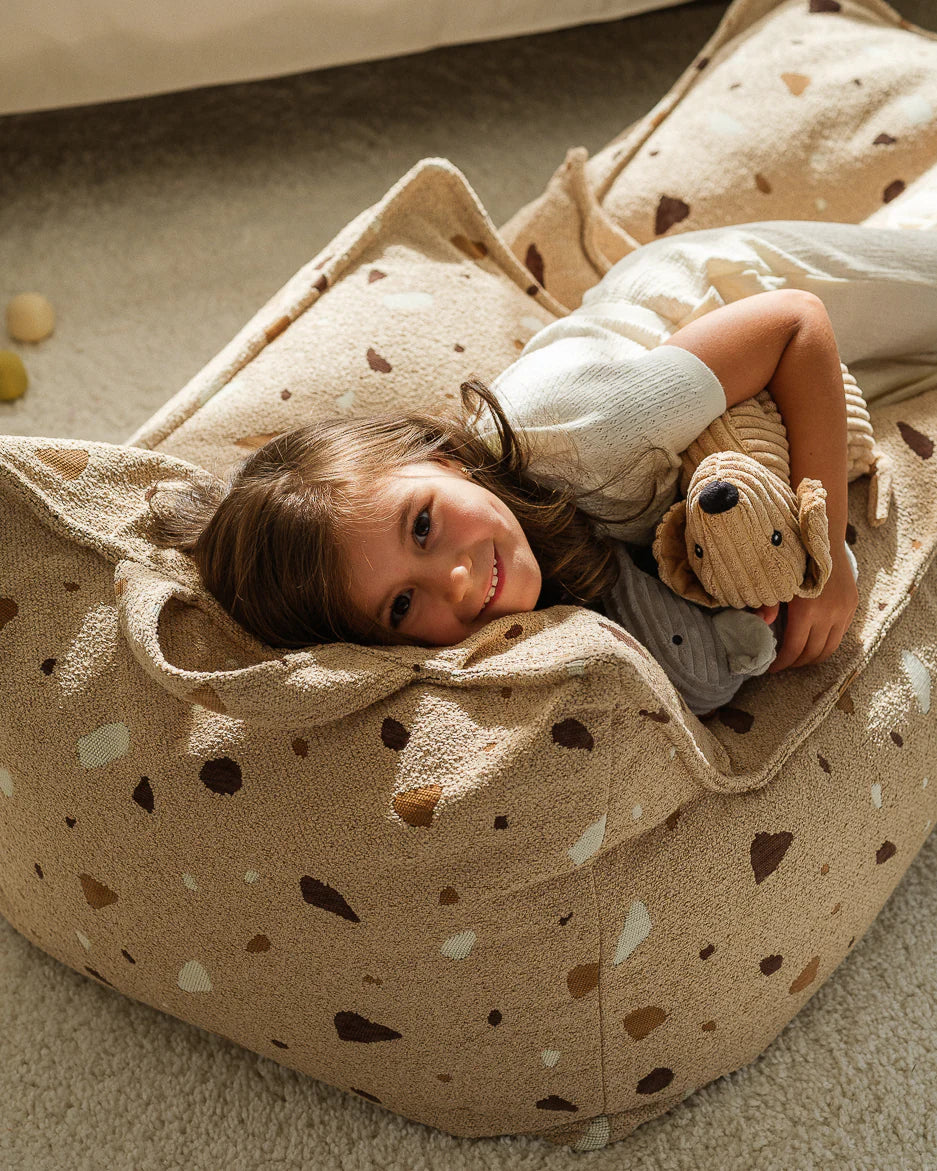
[13,376]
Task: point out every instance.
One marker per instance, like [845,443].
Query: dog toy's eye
[775,538]
[698,551]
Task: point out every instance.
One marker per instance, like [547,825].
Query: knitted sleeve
[609,403]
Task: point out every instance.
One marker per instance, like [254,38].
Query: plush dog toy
[743,536]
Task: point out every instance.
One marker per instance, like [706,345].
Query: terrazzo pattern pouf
[508,887]
[793,109]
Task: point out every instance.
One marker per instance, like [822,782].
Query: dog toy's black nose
[718,497]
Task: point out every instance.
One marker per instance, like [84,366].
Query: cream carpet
[157,227]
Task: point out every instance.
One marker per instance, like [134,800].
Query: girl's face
[427,577]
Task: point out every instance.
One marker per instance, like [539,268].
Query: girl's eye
[395,617]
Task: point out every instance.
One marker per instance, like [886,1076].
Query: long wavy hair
[268,539]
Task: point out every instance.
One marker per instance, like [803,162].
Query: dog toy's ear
[670,554]
[815,534]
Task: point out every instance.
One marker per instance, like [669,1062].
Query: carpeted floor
[157,228]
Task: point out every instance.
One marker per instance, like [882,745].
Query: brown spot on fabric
[806,977]
[825,868]
[127,956]
[394,734]
[836,910]
[916,544]
[416,806]
[321,284]
[767,852]
[554,1102]
[375,275]
[447,896]
[825,6]
[534,262]
[365,1094]
[920,444]
[67,464]
[824,763]
[47,667]
[276,328]
[473,249]
[279,1044]
[372,980]
[38,869]
[884,139]
[501,822]
[571,733]
[762,183]
[506,692]
[96,893]
[885,851]
[70,822]
[300,747]
[71,586]
[893,190]
[582,979]
[644,1020]
[376,362]
[702,63]
[770,964]
[735,719]
[143,795]
[495,1018]
[351,1026]
[222,775]
[8,611]
[657,1080]
[514,631]
[564,919]
[897,738]
[707,951]
[795,82]
[326,898]
[97,975]
[670,211]
[708,1026]
[444,1077]
[258,944]
[626,638]
[285,395]
[659,717]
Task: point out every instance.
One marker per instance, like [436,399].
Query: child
[397,528]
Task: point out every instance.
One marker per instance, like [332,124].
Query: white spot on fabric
[84,940]
[595,1136]
[194,978]
[917,109]
[550,1057]
[877,795]
[104,744]
[457,947]
[409,300]
[590,841]
[725,124]
[636,929]
[6,783]
[920,679]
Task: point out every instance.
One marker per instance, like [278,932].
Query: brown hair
[267,542]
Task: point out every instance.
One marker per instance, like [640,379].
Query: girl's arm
[783,341]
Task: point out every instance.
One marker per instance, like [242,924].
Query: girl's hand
[815,626]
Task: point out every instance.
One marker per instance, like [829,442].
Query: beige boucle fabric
[793,109]
[511,886]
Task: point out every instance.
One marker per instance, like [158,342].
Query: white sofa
[76,52]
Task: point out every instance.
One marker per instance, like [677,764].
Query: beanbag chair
[509,887]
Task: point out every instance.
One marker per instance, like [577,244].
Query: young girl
[420,529]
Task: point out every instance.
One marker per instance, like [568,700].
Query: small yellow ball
[13,376]
[30,317]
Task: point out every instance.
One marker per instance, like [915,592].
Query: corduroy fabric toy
[743,535]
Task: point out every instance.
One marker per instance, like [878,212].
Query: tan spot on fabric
[795,82]
[8,611]
[376,362]
[762,183]
[644,1020]
[581,980]
[767,853]
[534,262]
[96,893]
[326,898]
[352,1026]
[416,806]
[255,442]
[657,1080]
[807,976]
[67,464]
[670,211]
[376,275]
[276,328]
[473,249]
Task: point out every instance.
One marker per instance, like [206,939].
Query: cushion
[508,887]
[793,109]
